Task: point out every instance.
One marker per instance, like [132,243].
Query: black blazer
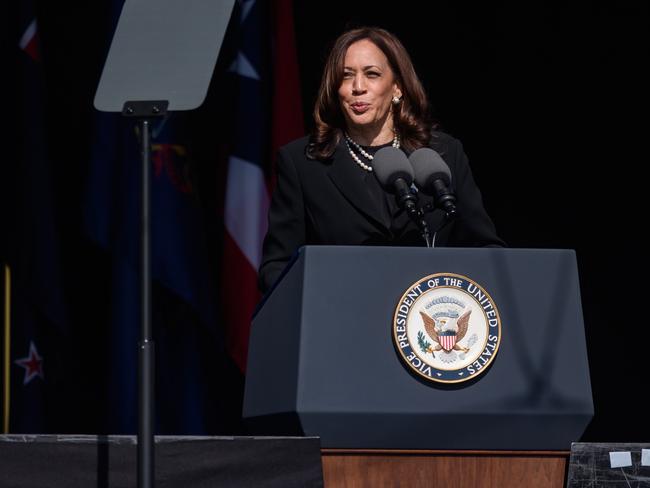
[333,203]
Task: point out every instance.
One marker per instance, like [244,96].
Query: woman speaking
[369,98]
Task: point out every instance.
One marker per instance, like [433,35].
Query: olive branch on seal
[425,345]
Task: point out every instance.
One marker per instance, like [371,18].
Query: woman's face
[368,88]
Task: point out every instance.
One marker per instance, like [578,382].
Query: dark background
[549,100]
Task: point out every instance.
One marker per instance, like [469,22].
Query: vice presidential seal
[447,328]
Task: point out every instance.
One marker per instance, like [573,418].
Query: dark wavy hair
[410,118]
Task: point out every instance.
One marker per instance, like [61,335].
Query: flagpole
[7,349]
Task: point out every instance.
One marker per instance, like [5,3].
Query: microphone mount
[395,175]
[407,200]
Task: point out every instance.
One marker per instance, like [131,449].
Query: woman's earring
[396,100]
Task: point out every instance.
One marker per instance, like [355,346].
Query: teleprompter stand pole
[145,112]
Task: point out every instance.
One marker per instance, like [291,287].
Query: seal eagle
[434,327]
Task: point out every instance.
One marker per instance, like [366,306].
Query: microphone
[433,177]
[395,175]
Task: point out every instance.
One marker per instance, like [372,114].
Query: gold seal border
[394,327]
[486,320]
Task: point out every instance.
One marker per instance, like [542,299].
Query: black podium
[322,360]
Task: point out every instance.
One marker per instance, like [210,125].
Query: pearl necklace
[369,157]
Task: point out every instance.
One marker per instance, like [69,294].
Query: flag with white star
[266,114]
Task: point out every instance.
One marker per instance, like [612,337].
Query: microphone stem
[417,216]
[425,232]
[406,200]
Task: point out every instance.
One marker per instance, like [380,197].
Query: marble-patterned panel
[590,466]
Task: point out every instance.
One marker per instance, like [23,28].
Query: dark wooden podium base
[448,469]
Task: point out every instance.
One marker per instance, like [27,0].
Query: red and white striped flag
[250,179]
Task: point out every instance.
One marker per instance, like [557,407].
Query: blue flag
[184,294]
[31,253]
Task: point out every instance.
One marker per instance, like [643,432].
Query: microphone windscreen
[429,166]
[389,164]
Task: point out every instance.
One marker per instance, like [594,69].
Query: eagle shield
[447,339]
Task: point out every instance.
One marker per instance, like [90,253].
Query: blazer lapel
[348,178]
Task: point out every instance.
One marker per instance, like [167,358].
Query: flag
[183,306]
[33,279]
[264,69]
